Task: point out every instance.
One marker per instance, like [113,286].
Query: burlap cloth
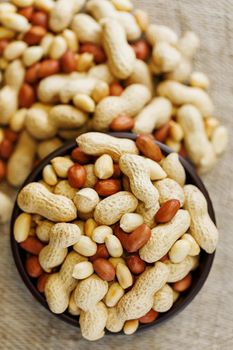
[208,322]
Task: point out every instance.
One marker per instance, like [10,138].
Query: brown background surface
[208,322]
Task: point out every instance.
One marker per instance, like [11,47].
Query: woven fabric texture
[208,322]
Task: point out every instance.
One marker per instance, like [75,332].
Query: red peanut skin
[101,252]
[104,269]
[32,245]
[149,317]
[167,211]
[135,264]
[135,240]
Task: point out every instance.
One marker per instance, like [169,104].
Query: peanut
[111,209]
[183,284]
[124,276]
[33,267]
[129,103]
[35,198]
[120,55]
[130,221]
[104,269]
[85,246]
[61,236]
[135,264]
[76,176]
[100,233]
[113,246]
[108,187]
[32,245]
[167,211]
[164,236]
[6,207]
[163,299]
[83,270]
[149,317]
[86,200]
[114,294]
[130,327]
[104,167]
[22,227]
[97,144]
[135,240]
[174,169]
[202,227]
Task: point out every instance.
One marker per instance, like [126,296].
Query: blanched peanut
[100,91]
[57,48]
[179,251]
[48,146]
[100,233]
[130,327]
[18,119]
[85,246]
[89,227]
[124,276]
[14,50]
[84,102]
[83,270]
[116,261]
[15,22]
[86,200]
[113,246]
[104,167]
[114,294]
[175,131]
[49,175]
[22,227]
[142,19]
[130,221]
[61,166]
[32,55]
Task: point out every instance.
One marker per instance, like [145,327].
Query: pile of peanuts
[113,232]
[68,67]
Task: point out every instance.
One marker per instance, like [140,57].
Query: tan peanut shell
[93,322]
[138,172]
[61,284]
[63,188]
[35,198]
[79,85]
[50,87]
[164,236]
[156,33]
[48,146]
[139,300]
[89,292]
[200,149]
[169,189]
[174,169]
[62,13]
[163,299]
[202,227]
[111,209]
[96,144]
[153,116]
[141,75]
[61,237]
[86,28]
[180,270]
[121,57]
[6,208]
[24,154]
[180,94]
[131,101]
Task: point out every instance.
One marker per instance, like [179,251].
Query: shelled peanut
[68,67]
[112,253]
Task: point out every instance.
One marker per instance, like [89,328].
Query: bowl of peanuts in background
[113,233]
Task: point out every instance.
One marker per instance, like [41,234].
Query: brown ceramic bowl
[199,275]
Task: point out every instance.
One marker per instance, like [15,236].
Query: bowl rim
[73,320]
